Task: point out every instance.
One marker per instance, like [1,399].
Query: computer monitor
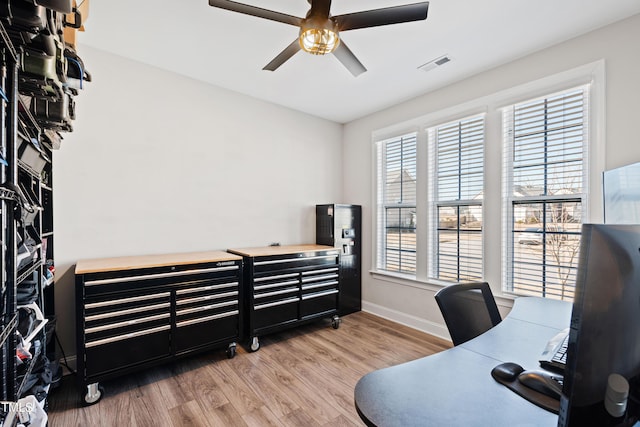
[621,194]
[604,335]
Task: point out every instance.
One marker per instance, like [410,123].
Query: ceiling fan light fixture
[318,41]
[319,29]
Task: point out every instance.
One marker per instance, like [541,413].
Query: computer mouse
[507,371]
[544,382]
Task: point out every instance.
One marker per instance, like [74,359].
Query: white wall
[413,303]
[160,163]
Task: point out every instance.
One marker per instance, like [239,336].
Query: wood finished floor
[300,377]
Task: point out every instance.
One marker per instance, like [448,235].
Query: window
[495,189]
[545,201]
[397,204]
[457,186]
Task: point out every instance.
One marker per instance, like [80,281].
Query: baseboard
[414,322]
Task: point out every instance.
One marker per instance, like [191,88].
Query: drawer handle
[278,276]
[127,336]
[275,285]
[156,276]
[207,307]
[205,319]
[126,300]
[322,277]
[206,288]
[207,297]
[283,260]
[319,285]
[280,292]
[276,303]
[320,294]
[126,323]
[125,312]
[324,270]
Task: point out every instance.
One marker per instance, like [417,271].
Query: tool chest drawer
[314,304]
[125,350]
[207,311]
[135,312]
[286,285]
[104,283]
[319,291]
[109,321]
[280,312]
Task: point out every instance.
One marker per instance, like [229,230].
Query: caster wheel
[93,395]
[335,322]
[231,351]
[255,344]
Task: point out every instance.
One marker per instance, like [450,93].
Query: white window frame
[435,201]
[380,260]
[510,200]
[494,250]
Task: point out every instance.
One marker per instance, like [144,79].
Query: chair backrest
[469,310]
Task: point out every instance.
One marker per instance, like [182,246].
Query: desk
[455,387]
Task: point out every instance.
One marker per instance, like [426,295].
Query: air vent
[435,63]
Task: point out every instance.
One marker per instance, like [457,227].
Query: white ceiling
[229,49]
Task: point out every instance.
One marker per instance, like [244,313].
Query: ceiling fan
[319,30]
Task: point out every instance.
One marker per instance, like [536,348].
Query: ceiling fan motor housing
[318,32]
[318,36]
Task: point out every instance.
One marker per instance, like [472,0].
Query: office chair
[469,309]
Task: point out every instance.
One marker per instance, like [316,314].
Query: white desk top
[455,387]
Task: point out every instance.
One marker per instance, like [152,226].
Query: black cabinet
[341,226]
[134,312]
[286,286]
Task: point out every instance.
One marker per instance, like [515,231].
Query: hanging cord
[65,363]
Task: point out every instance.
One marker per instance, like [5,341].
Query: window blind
[457,185]
[545,181]
[396,219]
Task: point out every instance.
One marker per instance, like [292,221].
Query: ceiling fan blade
[283,56]
[348,59]
[256,11]
[384,16]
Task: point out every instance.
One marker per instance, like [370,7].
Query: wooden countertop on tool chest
[150,261]
[279,250]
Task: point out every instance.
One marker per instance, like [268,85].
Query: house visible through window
[457,185]
[397,204]
[545,179]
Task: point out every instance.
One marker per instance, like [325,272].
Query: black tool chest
[134,312]
[286,286]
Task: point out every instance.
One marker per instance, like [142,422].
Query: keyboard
[554,356]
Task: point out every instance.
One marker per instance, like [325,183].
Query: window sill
[408,280]
[503,299]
